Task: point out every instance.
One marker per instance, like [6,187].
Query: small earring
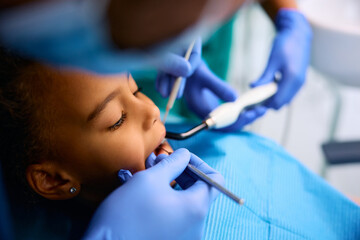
[72,190]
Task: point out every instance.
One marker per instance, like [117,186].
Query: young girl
[65,134]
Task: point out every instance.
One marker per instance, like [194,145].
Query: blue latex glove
[147,207]
[187,178]
[290,56]
[204,91]
[174,66]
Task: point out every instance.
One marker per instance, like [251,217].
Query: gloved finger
[160,157]
[245,118]
[164,82]
[175,65]
[205,168]
[172,166]
[124,175]
[200,187]
[201,195]
[253,114]
[195,56]
[152,160]
[220,88]
[188,178]
[287,88]
[204,102]
[266,77]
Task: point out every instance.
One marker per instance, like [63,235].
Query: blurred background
[328,106]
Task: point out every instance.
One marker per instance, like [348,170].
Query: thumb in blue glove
[147,207]
[289,55]
[175,65]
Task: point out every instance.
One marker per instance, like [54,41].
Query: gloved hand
[187,178]
[147,207]
[204,91]
[173,66]
[290,56]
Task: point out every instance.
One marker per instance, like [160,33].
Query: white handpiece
[227,113]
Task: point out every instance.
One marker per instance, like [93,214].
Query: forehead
[75,93]
[77,84]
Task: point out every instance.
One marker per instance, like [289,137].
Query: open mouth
[163,148]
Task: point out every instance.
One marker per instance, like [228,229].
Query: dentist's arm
[272,7]
[147,207]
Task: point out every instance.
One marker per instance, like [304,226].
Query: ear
[51,182]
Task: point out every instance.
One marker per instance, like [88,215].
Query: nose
[151,115]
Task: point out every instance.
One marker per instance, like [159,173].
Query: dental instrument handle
[227,113]
[177,84]
[214,184]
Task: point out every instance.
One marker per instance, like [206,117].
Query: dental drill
[227,113]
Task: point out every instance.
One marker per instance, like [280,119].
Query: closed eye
[137,91]
[119,122]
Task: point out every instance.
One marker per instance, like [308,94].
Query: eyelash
[137,91]
[119,123]
[123,116]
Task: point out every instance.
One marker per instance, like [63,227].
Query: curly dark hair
[24,135]
[26,114]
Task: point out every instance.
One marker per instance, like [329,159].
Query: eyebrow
[101,106]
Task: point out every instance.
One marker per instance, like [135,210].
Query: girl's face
[102,124]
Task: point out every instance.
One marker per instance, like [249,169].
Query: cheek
[99,159]
[118,152]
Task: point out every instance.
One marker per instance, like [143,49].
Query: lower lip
[161,141]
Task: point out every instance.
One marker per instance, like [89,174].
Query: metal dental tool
[227,113]
[192,170]
[177,84]
[214,184]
